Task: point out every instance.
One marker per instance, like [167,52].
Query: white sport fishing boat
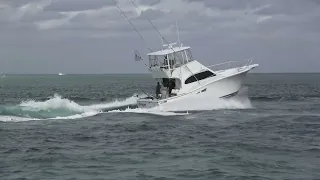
[181,76]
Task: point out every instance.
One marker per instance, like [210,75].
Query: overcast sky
[92,36]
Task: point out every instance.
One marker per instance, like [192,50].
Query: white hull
[226,84]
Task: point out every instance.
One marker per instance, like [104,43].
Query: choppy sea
[88,127]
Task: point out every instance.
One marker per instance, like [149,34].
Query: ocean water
[88,127]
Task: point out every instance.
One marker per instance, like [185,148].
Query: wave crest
[56,102]
[57,107]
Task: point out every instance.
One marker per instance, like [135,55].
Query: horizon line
[144,73]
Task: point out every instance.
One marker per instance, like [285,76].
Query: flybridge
[170,58]
[168,51]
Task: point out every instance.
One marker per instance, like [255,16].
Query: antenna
[178,33]
[161,42]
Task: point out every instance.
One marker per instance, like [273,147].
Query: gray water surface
[275,136]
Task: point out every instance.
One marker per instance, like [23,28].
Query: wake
[58,107]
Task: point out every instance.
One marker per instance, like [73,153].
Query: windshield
[171,60]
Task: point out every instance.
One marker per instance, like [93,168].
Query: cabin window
[199,76]
[158,61]
[152,61]
[178,59]
[189,55]
[172,60]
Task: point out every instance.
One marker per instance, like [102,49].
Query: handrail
[221,64]
[247,63]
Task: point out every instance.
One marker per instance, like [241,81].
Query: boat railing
[229,64]
[224,63]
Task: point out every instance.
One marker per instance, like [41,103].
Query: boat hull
[222,88]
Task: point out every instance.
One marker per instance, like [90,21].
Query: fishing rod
[143,91]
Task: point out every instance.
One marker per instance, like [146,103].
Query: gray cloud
[149,2]
[81,36]
[227,5]
[152,14]
[77,5]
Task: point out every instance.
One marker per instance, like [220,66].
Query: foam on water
[78,116]
[127,102]
[148,111]
[58,108]
[16,119]
[56,102]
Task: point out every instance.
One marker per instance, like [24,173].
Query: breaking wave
[58,108]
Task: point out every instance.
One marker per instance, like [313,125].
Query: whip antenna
[179,42]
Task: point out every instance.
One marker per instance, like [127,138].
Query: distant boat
[61,74]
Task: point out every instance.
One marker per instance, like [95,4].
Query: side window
[189,54]
[199,76]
